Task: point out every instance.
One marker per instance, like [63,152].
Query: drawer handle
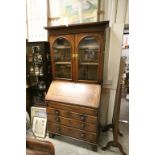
[56,112]
[82,126]
[57,119]
[58,129]
[82,118]
[82,135]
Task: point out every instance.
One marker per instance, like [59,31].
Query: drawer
[72,123]
[75,133]
[58,112]
[74,108]
[84,118]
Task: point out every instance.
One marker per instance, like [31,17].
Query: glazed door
[62,48]
[88,48]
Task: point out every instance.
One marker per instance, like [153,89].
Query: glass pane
[63,71]
[62,58]
[88,62]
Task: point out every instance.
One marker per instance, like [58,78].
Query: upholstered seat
[39,147]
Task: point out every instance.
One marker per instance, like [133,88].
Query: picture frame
[39,126]
[38,112]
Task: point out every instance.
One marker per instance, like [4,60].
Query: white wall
[116,11]
[36,14]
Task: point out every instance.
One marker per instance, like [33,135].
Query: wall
[116,11]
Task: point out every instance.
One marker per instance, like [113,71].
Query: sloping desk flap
[74,93]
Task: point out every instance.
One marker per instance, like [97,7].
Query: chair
[39,147]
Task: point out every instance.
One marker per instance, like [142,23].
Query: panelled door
[88,48]
[77,57]
[62,50]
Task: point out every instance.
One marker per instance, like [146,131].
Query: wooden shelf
[93,47]
[89,63]
[61,47]
[62,63]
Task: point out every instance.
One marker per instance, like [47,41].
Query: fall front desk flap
[74,93]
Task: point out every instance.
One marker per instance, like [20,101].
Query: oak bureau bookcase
[73,98]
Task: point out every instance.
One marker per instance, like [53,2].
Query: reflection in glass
[62,58]
[88,62]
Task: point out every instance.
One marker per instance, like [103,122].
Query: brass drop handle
[82,135]
[56,112]
[75,55]
[57,119]
[58,128]
[82,118]
[82,126]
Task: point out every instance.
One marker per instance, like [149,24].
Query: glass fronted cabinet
[89,55]
[62,54]
[38,70]
[77,52]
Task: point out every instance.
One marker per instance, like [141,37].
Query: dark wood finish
[38,82]
[74,33]
[116,114]
[100,39]
[70,39]
[72,123]
[69,116]
[39,147]
[84,118]
[73,108]
[77,108]
[58,112]
[78,28]
[28,100]
[72,132]
[69,92]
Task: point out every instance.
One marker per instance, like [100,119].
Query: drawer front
[84,118]
[75,133]
[74,108]
[58,112]
[72,123]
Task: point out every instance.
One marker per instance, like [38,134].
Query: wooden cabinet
[73,99]
[77,51]
[38,71]
[73,110]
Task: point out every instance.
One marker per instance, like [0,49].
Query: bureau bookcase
[73,98]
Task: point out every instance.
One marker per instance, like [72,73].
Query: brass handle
[82,126]
[82,135]
[56,112]
[82,118]
[57,119]
[75,55]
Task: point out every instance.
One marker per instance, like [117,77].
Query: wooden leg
[120,133]
[106,128]
[94,148]
[51,135]
[121,149]
[111,143]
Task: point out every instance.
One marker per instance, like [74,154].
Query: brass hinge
[75,55]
